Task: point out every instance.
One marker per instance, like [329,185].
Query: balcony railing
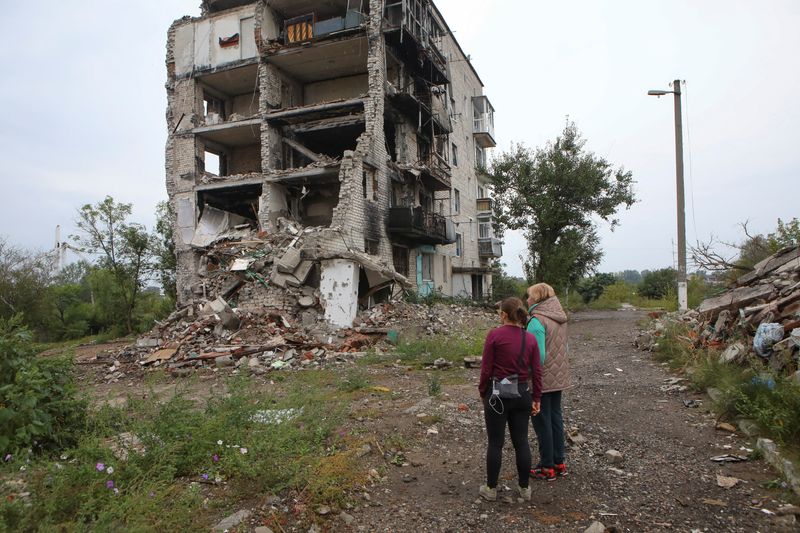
[419,225]
[490,248]
[484,205]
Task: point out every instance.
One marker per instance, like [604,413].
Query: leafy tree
[554,194]
[787,234]
[24,277]
[634,277]
[591,288]
[166,260]
[124,249]
[658,283]
[504,286]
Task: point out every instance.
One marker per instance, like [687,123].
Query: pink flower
[215,458]
[100,467]
[110,484]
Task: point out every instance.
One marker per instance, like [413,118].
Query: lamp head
[658,92]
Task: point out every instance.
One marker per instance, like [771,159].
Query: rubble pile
[760,316]
[259,306]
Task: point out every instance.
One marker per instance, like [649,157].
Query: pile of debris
[221,336]
[763,307]
[259,305]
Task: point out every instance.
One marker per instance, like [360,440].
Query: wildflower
[152,494]
[218,479]
[8,457]
[110,469]
[23,468]
[116,491]
[219,443]
[205,477]
[243,451]
[215,458]
[110,484]
[100,467]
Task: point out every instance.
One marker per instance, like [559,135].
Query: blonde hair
[540,292]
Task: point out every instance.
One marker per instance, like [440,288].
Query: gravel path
[429,454]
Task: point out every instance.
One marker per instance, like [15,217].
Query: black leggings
[516,413]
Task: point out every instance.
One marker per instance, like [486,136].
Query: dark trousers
[549,428]
[514,413]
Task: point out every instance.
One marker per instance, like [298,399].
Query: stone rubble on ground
[763,308]
[260,302]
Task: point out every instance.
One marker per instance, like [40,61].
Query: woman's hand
[537,406]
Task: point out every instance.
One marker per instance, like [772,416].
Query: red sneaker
[547,474]
[561,470]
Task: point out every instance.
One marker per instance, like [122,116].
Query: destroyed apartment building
[322,153]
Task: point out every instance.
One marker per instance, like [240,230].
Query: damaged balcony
[411,28]
[490,248]
[483,122]
[418,100]
[419,225]
[303,21]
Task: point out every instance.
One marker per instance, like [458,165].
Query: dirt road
[430,453]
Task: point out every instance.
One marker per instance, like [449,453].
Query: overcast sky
[83,86]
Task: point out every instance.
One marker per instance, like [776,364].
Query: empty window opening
[213,108]
[459,245]
[214,163]
[372,246]
[400,260]
[456,201]
[390,133]
[455,155]
[243,201]
[313,206]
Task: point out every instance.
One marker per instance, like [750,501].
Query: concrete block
[289,261]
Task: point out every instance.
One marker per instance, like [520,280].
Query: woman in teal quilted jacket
[548,323]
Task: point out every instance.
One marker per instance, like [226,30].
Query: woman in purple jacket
[509,350]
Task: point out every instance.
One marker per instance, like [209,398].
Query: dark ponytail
[513,308]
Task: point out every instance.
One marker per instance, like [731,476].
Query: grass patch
[424,351]
[353,381]
[434,385]
[250,441]
[752,391]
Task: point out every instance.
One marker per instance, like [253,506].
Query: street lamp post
[683,298]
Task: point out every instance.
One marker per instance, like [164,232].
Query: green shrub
[38,405]
[245,443]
